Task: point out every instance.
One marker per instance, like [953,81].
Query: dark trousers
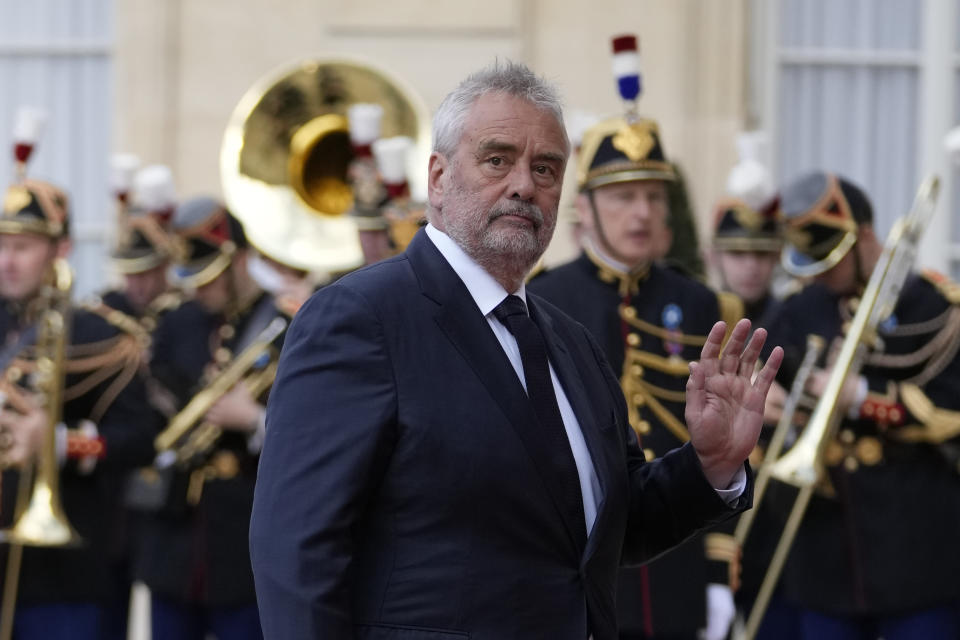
[930,624]
[62,621]
[172,620]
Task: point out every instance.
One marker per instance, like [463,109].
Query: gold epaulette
[937,425]
[115,318]
[947,287]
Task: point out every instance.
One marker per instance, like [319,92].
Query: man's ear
[436,171]
[63,247]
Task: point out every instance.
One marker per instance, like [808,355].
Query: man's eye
[544,170]
[495,161]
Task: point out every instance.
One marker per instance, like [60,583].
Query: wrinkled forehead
[496,115]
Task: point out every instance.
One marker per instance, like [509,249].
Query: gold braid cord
[937,425]
[95,362]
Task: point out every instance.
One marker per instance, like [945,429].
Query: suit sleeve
[670,498]
[330,430]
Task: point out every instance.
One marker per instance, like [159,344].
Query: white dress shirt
[487,293]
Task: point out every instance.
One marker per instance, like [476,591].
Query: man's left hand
[724,409]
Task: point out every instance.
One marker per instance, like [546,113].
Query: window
[57,55]
[867,89]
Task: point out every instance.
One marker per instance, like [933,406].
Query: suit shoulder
[375,280]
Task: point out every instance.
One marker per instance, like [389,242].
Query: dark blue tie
[512,313]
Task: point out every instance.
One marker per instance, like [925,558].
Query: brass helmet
[822,214]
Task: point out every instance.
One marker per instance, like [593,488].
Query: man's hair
[511,78]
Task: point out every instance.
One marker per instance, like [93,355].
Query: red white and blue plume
[626,68]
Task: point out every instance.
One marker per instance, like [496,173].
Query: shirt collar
[486,292]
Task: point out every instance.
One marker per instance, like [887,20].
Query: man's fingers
[748,361]
[769,372]
[711,349]
[730,361]
[695,389]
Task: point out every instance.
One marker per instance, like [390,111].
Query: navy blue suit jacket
[400,493]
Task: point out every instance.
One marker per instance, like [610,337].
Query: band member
[650,321]
[103,429]
[144,248]
[193,554]
[746,244]
[747,233]
[875,555]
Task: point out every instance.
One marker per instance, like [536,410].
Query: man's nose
[522,186]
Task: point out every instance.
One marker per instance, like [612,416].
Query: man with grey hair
[449,457]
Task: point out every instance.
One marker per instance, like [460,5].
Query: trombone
[42,522]
[803,465]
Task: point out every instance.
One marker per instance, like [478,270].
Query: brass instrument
[803,465]
[187,435]
[286,152]
[41,522]
[814,348]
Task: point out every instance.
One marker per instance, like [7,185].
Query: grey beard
[504,253]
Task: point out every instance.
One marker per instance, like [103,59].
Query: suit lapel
[460,320]
[568,370]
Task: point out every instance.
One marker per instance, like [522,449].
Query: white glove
[720,611]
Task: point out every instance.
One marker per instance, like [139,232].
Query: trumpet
[188,435]
[803,465]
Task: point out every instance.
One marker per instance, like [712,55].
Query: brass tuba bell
[287,149]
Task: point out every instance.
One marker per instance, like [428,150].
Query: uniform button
[643,427]
[847,436]
[637,371]
[638,400]
[633,340]
[227,331]
[649,455]
[629,312]
[850,464]
[222,356]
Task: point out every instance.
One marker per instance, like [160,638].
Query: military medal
[671,317]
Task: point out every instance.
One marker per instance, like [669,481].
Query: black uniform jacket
[102,385]
[402,492]
[886,542]
[650,325]
[200,554]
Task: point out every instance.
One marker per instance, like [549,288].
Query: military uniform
[650,321]
[740,227]
[194,552]
[748,221]
[880,541]
[143,246]
[105,431]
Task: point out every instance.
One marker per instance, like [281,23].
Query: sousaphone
[287,150]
